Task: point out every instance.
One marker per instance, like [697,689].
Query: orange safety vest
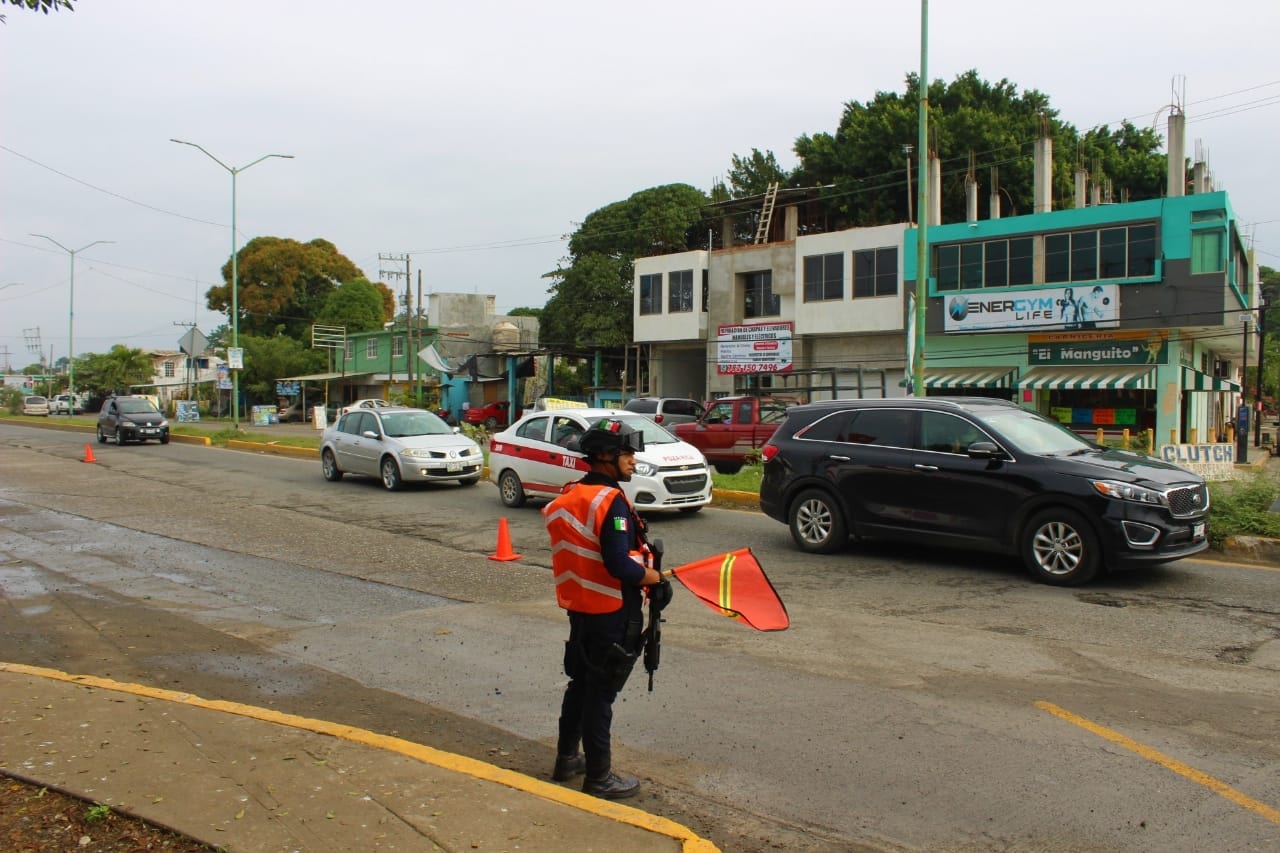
[574,521]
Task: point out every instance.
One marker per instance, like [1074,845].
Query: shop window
[875,272]
[680,291]
[1206,251]
[651,294]
[1142,250]
[824,277]
[759,299]
[1057,258]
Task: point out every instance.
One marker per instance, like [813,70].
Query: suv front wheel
[816,522]
[1059,547]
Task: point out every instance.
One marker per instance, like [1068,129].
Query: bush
[1243,508]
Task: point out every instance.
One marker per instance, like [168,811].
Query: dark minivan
[975,472]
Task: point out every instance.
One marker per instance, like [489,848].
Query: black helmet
[611,435]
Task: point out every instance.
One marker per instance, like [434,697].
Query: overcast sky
[475,135]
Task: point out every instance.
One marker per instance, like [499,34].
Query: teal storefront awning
[1194,380]
[1090,378]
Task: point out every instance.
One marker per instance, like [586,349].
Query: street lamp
[71,320]
[235,272]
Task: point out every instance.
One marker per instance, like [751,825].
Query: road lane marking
[1219,787]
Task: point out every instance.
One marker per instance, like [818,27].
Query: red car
[491,416]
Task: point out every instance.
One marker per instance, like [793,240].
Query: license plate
[150,431]
[453,466]
[1197,530]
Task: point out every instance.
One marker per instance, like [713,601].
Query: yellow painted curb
[273,449]
[690,842]
[190,439]
[726,497]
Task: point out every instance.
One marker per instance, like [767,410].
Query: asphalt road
[920,700]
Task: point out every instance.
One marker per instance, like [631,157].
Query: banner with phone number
[754,348]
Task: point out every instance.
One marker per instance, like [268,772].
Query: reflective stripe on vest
[583,584]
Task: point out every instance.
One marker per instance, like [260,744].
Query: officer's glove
[660,595]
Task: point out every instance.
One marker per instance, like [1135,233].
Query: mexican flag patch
[620,525]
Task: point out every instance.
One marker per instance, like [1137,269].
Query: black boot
[568,766]
[611,786]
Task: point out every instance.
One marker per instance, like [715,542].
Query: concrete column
[1043,175]
[1177,155]
[970,199]
[791,222]
[1082,184]
[935,191]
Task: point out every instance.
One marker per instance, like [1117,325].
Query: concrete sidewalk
[238,777]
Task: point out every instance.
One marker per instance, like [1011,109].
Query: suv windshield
[1034,433]
[136,407]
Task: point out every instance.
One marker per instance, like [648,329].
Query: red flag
[735,585]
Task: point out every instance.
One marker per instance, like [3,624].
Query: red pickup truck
[735,428]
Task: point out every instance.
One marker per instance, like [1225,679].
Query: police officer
[600,570]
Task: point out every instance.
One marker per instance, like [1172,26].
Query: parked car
[733,429]
[491,417]
[129,418]
[62,404]
[34,404]
[666,411]
[296,412]
[366,403]
[981,473]
[398,445]
[539,455]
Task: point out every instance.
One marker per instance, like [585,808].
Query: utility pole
[392,274]
[417,329]
[1257,385]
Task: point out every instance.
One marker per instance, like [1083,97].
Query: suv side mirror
[985,450]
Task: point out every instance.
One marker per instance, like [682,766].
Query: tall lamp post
[71,320]
[235,272]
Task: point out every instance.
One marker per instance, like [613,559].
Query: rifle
[652,635]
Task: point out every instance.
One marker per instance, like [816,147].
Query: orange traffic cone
[505,554]
[88,454]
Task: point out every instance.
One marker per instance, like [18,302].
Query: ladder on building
[766,213]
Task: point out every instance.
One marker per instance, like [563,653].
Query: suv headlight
[1128,492]
[646,469]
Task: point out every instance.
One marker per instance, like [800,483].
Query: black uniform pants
[586,712]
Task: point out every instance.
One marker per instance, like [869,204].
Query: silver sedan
[399,445]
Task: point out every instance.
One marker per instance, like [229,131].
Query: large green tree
[865,167]
[359,306]
[283,284]
[590,305]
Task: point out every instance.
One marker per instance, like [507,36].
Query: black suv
[131,419]
[981,473]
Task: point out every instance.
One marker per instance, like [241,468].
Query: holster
[617,666]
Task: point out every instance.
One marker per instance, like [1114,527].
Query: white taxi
[537,456]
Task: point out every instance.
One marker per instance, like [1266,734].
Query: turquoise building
[1115,316]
